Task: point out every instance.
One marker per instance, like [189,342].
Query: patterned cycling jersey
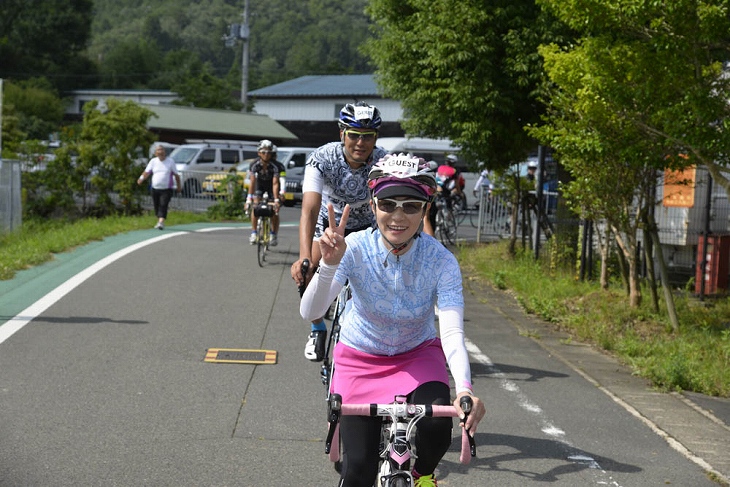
[264,177]
[391,310]
[328,173]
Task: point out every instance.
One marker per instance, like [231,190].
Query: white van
[294,160]
[197,160]
[429,149]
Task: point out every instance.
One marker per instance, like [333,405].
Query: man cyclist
[336,174]
[389,344]
[264,178]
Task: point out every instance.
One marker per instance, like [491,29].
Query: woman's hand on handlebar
[478,410]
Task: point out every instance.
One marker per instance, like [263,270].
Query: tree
[104,156]
[464,70]
[206,91]
[38,107]
[45,38]
[643,83]
[675,72]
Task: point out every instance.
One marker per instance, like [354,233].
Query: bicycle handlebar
[406,411]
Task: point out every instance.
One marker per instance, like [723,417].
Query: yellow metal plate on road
[240,356]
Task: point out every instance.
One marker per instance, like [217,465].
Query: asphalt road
[104,381]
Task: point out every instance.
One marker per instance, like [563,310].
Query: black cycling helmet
[360,116]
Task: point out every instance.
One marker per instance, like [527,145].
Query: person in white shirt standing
[163,170]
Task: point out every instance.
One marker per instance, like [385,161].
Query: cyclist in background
[336,174]
[264,178]
[388,342]
[450,179]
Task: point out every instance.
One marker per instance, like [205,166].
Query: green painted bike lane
[30,285]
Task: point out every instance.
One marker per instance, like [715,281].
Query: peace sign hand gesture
[332,243]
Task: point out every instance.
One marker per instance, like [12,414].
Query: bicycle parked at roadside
[398,426]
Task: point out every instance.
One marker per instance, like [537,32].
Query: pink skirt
[362,378]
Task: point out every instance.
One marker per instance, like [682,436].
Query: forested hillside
[155,43]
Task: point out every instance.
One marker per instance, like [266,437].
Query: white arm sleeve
[451,325]
[320,293]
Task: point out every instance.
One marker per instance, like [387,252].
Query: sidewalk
[695,425]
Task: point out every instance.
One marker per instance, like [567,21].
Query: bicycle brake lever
[333,418]
[305,269]
[466,405]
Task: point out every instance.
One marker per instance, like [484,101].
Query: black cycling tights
[360,437]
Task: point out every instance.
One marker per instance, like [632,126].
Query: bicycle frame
[327,368]
[263,230]
[400,419]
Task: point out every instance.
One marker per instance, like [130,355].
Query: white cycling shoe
[314,349]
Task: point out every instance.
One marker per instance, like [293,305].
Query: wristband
[249,197]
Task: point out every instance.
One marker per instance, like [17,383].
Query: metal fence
[11,212]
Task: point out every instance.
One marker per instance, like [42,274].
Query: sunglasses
[365,136]
[264,151]
[410,207]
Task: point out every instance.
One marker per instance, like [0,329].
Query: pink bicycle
[399,422]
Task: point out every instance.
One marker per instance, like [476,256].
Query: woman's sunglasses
[410,207]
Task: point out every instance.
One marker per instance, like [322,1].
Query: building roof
[319,86]
[200,120]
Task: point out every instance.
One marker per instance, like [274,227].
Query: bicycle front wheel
[447,228]
[263,240]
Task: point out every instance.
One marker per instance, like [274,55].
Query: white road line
[10,327]
[546,426]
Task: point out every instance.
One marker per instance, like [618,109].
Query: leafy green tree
[131,64]
[45,38]
[12,135]
[644,85]
[465,70]
[113,145]
[206,91]
[101,159]
[37,106]
[671,58]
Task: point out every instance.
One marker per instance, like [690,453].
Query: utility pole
[236,32]
[244,56]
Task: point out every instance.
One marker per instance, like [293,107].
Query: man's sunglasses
[410,207]
[365,136]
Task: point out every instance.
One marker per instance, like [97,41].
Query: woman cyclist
[388,343]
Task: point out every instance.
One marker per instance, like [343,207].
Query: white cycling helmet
[402,175]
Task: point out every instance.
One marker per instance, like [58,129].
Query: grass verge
[695,358]
[36,241]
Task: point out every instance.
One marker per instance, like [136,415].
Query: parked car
[212,182]
[294,160]
[198,160]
